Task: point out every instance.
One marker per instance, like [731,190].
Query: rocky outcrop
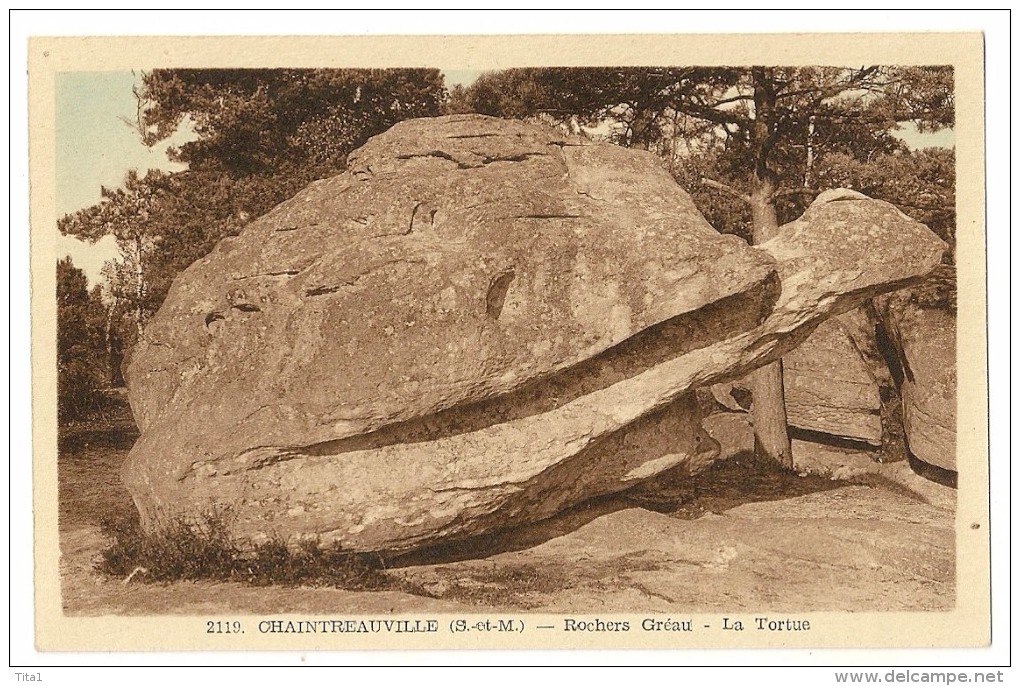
[480,324]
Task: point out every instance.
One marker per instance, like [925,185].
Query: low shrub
[181,549]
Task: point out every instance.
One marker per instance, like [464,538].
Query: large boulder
[481,323]
[459,259]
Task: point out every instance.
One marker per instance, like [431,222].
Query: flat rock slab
[852,548]
[845,464]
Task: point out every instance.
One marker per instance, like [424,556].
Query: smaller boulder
[924,335]
[830,388]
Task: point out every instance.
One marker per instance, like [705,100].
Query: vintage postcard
[512,342]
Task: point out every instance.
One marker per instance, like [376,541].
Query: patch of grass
[183,550]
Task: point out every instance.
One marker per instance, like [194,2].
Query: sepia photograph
[656,349]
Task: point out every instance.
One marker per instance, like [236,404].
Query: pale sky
[462,77]
[946,138]
[96,148]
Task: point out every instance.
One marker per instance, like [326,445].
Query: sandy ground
[844,533]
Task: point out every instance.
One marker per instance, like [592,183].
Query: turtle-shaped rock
[418,349]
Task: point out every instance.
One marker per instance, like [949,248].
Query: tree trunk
[768,411]
[810,154]
[108,340]
[139,284]
[872,338]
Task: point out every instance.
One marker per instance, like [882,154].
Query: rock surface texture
[478,325]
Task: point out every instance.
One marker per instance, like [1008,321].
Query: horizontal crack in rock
[285,272]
